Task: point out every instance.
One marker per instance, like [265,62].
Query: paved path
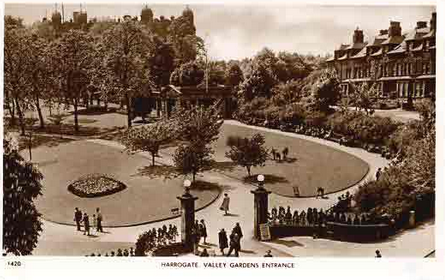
[64,240]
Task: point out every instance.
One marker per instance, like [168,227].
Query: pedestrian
[377,254]
[99,220]
[285,153]
[94,224]
[278,155]
[77,217]
[225,204]
[204,253]
[222,237]
[86,224]
[234,244]
[203,230]
[126,254]
[268,254]
[378,173]
[239,232]
[319,190]
[195,237]
[119,252]
[131,252]
[322,192]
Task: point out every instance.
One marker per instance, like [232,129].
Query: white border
[306,268]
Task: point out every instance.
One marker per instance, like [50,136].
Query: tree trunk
[76,120]
[12,112]
[39,111]
[193,175]
[127,101]
[248,170]
[153,155]
[20,113]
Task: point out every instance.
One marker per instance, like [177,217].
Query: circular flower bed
[95,185]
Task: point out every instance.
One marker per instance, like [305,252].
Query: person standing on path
[377,254]
[225,204]
[99,220]
[78,217]
[94,227]
[86,224]
[268,254]
[239,232]
[222,237]
[203,230]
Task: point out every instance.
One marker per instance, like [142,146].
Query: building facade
[402,65]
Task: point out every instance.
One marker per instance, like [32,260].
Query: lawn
[309,165]
[150,194]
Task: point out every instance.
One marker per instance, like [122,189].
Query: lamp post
[187,215]
[260,206]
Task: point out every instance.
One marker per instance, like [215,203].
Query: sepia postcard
[183,131]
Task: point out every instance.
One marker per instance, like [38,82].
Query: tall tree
[73,56]
[326,90]
[21,186]
[15,69]
[128,46]
[193,159]
[234,75]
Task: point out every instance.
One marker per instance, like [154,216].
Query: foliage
[161,62]
[193,159]
[234,75]
[363,96]
[326,90]
[259,83]
[128,47]
[148,138]
[21,186]
[248,152]
[188,74]
[197,124]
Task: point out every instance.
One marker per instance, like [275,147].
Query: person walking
[274,155]
[225,204]
[86,224]
[268,254]
[378,174]
[222,237]
[203,230]
[234,244]
[239,232]
[77,217]
[285,153]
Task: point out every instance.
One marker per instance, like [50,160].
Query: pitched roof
[377,53]
[330,59]
[361,53]
[393,40]
[399,49]
[342,47]
[377,40]
[417,34]
[357,46]
[430,34]
[343,57]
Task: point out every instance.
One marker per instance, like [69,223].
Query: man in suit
[86,222]
[77,217]
[237,230]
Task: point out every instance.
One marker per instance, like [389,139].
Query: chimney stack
[394,29]
[358,36]
[421,24]
[433,21]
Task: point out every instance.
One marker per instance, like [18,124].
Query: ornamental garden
[82,132]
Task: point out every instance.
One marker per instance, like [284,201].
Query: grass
[145,198]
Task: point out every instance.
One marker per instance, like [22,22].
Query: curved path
[64,240]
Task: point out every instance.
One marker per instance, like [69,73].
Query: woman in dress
[225,204]
[203,230]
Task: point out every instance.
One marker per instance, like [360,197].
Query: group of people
[83,219]
[310,217]
[233,242]
[344,203]
[119,253]
[162,235]
[276,155]
[199,231]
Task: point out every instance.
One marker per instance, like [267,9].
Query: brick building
[402,64]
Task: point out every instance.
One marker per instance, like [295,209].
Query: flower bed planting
[95,185]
